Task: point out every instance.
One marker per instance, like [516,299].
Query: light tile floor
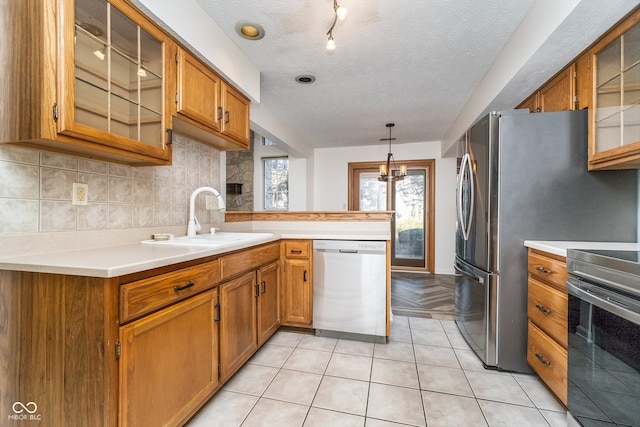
[426,376]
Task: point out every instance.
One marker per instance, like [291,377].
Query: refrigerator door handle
[465,226]
[459,268]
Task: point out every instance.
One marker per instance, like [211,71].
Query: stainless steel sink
[216,240]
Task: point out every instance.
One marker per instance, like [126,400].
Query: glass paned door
[373,193]
[407,199]
[408,229]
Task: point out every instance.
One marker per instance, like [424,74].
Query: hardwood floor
[422,295]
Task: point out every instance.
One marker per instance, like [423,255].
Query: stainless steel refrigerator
[524,177]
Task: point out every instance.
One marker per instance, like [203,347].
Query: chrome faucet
[194,225]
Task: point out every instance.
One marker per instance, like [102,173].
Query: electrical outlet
[211,203]
[80,194]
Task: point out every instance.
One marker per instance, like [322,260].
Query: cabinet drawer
[547,269]
[548,360]
[547,308]
[297,249]
[250,259]
[147,295]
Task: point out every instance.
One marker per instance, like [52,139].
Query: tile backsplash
[36,190]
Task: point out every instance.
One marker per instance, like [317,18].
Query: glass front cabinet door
[112,86]
[615,117]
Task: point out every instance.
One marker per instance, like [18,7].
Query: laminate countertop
[560,248]
[120,259]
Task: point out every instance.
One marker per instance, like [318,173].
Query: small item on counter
[162,236]
[213,230]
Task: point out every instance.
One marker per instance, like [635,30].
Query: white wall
[331,178]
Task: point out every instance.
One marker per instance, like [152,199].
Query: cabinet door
[558,94]
[614,116]
[531,103]
[297,293]
[269,301]
[198,91]
[238,323]
[235,121]
[169,363]
[584,81]
[112,79]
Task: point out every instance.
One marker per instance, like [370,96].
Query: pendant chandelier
[389,172]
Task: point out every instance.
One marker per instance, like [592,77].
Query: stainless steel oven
[604,338]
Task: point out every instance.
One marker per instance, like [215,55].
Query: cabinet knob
[227,117]
[296,251]
[542,360]
[543,270]
[304,276]
[542,309]
[219,117]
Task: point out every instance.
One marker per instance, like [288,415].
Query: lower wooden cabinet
[238,323]
[549,360]
[269,301]
[547,311]
[248,315]
[169,363]
[297,286]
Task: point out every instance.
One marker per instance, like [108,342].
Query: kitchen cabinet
[169,363]
[558,94]
[614,119]
[207,107]
[584,80]
[174,328]
[238,323]
[268,301]
[297,286]
[547,306]
[248,304]
[85,77]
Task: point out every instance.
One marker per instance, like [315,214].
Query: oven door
[603,355]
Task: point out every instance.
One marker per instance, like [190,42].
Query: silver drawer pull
[542,359]
[542,309]
[543,270]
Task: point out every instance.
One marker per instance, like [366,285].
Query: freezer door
[472,198]
[475,309]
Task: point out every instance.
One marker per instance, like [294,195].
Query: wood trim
[308,216]
[430,191]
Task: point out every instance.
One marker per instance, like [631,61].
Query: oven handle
[618,304]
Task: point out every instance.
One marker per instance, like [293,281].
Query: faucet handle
[198,226]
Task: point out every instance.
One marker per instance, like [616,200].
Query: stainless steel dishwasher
[350,289]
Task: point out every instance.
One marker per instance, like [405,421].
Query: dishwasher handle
[348,251]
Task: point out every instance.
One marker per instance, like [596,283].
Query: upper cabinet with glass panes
[89,78]
[614,133]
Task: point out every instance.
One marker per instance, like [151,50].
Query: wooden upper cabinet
[235,116]
[584,80]
[614,116]
[208,108]
[85,77]
[198,96]
[558,94]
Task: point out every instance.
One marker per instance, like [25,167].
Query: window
[276,183]
[266,141]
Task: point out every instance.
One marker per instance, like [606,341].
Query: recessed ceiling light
[250,31]
[305,78]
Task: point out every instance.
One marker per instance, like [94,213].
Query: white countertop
[558,247]
[118,260]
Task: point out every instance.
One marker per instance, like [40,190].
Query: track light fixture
[340,13]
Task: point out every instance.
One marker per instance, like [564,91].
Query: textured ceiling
[412,62]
